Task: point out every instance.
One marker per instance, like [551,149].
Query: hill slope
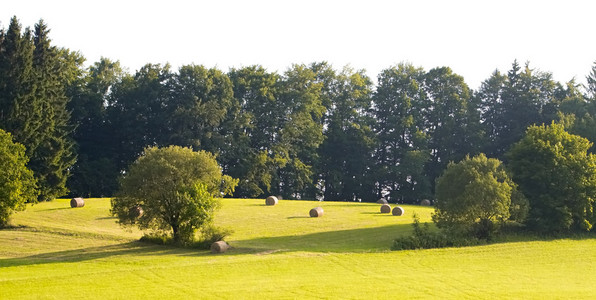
[279,252]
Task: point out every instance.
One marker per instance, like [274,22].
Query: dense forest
[311,132]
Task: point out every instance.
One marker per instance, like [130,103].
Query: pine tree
[32,93]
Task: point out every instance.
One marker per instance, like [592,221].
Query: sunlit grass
[279,253]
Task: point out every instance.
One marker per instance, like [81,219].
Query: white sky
[472,37]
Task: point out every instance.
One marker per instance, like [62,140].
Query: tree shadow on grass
[135,248]
[350,240]
[58,208]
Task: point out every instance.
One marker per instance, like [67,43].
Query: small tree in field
[473,197]
[17,185]
[174,187]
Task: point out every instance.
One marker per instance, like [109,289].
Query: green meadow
[278,252]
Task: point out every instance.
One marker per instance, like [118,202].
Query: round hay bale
[219,247]
[398,211]
[385,208]
[77,202]
[425,202]
[271,200]
[136,212]
[316,212]
[382,201]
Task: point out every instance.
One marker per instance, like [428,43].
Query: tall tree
[200,102]
[137,114]
[451,119]
[402,138]
[20,111]
[33,97]
[345,156]
[55,154]
[95,172]
[513,102]
[258,123]
[301,132]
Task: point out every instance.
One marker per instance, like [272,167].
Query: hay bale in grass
[136,212]
[77,202]
[385,208]
[316,212]
[271,200]
[219,247]
[382,201]
[425,202]
[398,211]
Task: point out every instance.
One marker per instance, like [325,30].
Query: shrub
[424,238]
[210,234]
[17,184]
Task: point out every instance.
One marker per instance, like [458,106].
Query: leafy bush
[17,184]
[474,197]
[210,234]
[424,238]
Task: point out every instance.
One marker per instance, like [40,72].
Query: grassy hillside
[279,252]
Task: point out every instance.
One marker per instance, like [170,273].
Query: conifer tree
[33,79]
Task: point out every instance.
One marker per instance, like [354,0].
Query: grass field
[278,253]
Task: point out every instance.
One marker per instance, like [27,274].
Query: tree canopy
[473,197]
[558,176]
[310,131]
[17,184]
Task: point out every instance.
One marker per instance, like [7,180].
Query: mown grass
[56,252]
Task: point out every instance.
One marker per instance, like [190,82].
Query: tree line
[310,132]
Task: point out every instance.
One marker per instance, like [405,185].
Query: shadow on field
[86,254]
[351,240]
[59,208]
[378,214]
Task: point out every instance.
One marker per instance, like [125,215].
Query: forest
[311,132]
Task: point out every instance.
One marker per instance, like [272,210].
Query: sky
[473,38]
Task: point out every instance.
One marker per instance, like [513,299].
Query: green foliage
[512,102]
[558,177]
[96,171]
[175,187]
[473,197]
[451,119]
[423,238]
[210,234]
[34,77]
[300,134]
[17,184]
[252,157]
[402,146]
[347,151]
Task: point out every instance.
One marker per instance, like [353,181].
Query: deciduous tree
[558,177]
[175,187]
[17,184]
[473,197]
